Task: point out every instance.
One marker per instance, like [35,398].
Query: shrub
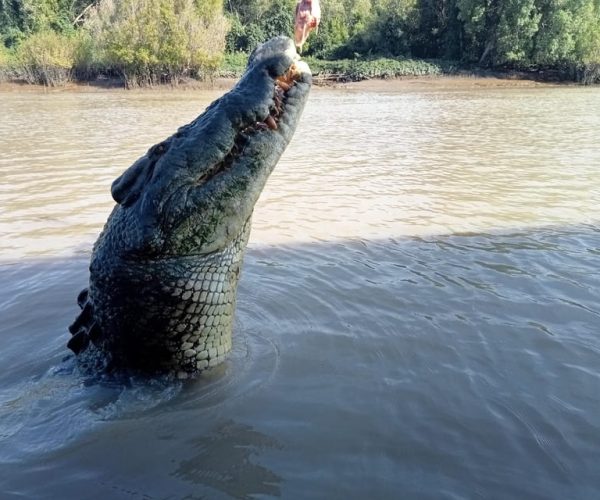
[87,63]
[156,41]
[233,65]
[4,63]
[259,22]
[45,58]
[356,70]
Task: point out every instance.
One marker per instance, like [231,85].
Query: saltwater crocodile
[164,271]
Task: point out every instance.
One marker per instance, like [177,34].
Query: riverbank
[464,81]
[332,73]
[104,84]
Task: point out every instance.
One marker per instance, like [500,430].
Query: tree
[46,58]
[390,28]
[334,30]
[439,31]
[498,31]
[254,22]
[22,18]
[153,41]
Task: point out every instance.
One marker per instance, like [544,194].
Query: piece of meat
[308,17]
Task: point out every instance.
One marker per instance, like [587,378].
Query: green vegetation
[343,70]
[253,22]
[45,57]
[157,41]
[355,70]
[142,41]
[145,42]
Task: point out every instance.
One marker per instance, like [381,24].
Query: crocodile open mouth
[283,85]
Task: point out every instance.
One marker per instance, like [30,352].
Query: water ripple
[417,316]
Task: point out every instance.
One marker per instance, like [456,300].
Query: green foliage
[556,41]
[371,27]
[45,58]
[4,56]
[332,36]
[529,32]
[20,18]
[154,41]
[438,30]
[10,31]
[279,20]
[356,70]
[243,37]
[233,65]
[517,26]
[587,40]
[393,26]
[151,41]
[5,63]
[334,31]
[209,9]
[256,22]
[87,63]
[587,46]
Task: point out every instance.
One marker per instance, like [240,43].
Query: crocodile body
[165,269]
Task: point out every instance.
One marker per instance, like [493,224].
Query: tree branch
[80,16]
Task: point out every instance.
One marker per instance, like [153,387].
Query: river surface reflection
[418,314]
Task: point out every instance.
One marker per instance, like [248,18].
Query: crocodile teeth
[283,84]
[271,123]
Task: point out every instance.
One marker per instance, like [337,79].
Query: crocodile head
[164,271]
[192,193]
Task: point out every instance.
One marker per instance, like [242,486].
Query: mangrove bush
[156,41]
[46,58]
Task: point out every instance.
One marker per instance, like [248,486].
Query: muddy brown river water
[418,315]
